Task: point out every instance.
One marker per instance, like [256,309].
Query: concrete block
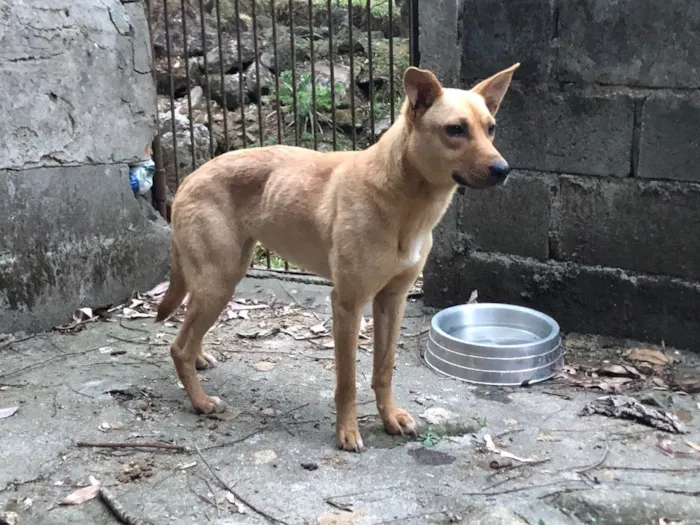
[581,298]
[439,39]
[630,42]
[580,131]
[669,146]
[74,237]
[509,219]
[499,33]
[77,85]
[645,226]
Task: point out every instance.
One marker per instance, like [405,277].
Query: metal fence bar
[371,70]
[314,108]
[258,80]
[353,116]
[207,90]
[391,62]
[189,82]
[294,74]
[222,73]
[168,47]
[332,64]
[241,78]
[278,104]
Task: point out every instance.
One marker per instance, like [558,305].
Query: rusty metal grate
[231,74]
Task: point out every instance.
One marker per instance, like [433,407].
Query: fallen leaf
[233,500]
[258,333]
[185,466]
[318,329]
[692,445]
[264,366]
[473,297]
[546,436]
[7,412]
[106,426]
[491,447]
[82,314]
[106,350]
[648,355]
[130,313]
[9,518]
[158,290]
[82,495]
[264,456]
[620,371]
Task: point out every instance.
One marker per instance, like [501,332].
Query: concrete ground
[114,382]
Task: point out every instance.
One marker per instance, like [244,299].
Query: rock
[342,80]
[382,125]
[231,91]
[343,119]
[342,41]
[178,73]
[378,81]
[183,134]
[623,507]
[492,516]
[662,400]
[194,34]
[266,83]
[437,416]
[377,35]
[230,55]
[282,49]
[264,456]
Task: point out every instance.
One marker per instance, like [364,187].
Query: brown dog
[362,219]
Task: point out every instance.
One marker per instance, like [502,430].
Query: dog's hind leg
[210,286]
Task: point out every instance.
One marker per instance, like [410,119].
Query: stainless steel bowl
[494,344]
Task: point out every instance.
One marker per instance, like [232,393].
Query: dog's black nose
[498,171]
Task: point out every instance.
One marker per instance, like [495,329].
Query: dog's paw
[399,422]
[210,405]
[205,360]
[348,438]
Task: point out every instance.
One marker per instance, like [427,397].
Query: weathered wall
[77,105]
[600,224]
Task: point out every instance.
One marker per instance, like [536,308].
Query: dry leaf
[158,290]
[473,297]
[264,366]
[130,313]
[264,456]
[240,508]
[692,445]
[84,494]
[664,521]
[7,412]
[82,314]
[546,436]
[318,329]
[648,355]
[491,446]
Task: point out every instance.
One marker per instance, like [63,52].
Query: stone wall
[600,224]
[77,105]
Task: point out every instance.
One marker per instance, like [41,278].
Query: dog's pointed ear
[422,88]
[494,88]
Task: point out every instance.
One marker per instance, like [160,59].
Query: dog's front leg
[347,314]
[387,311]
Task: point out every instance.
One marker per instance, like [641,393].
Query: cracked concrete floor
[115,382]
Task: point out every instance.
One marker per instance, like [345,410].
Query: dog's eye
[492,129]
[455,130]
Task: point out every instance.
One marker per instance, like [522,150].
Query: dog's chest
[411,250]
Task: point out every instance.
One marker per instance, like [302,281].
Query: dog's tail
[176,291]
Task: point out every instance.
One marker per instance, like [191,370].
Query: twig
[132,328]
[47,361]
[136,342]
[652,469]
[164,446]
[556,394]
[514,489]
[228,487]
[116,508]
[20,340]
[600,461]
[419,332]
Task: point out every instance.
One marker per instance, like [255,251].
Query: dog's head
[451,131]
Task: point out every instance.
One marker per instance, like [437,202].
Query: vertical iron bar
[267,259]
[277,72]
[330,55]
[221,71]
[352,76]
[241,80]
[314,110]
[206,79]
[168,48]
[258,89]
[413,32]
[391,59]
[158,188]
[371,71]
[187,79]
[294,74]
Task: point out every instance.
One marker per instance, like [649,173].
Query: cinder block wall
[77,105]
[600,224]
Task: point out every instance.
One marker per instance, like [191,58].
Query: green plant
[306,109]
[429,438]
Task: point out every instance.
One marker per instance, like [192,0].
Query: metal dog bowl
[494,344]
